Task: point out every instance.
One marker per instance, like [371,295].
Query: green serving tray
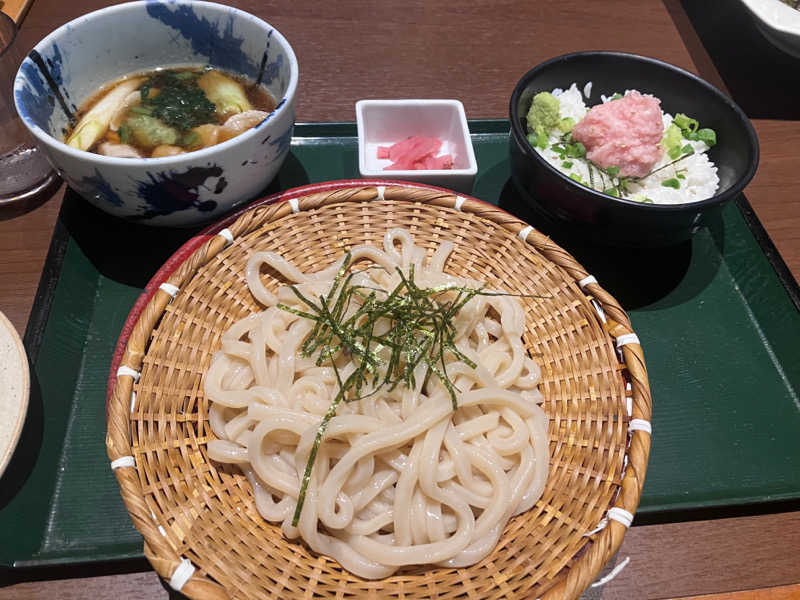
[717,317]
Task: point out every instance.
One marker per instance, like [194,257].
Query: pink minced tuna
[624,133]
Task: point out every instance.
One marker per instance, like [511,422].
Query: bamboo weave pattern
[187,507]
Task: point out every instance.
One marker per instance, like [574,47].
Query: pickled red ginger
[416,153]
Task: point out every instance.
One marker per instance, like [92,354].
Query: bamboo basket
[200,526]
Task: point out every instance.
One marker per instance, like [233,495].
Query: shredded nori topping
[180,102]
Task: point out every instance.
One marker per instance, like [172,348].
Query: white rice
[700,174]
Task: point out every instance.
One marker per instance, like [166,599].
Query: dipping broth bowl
[72,62]
[606,219]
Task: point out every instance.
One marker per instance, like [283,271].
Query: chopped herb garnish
[612,192]
[124,132]
[538,140]
[686,123]
[674,152]
[142,110]
[672,183]
[709,136]
[616,96]
[613,171]
[690,130]
[541,140]
[190,139]
[566,148]
[567,164]
[680,176]
[687,150]
[662,167]
[575,177]
[180,102]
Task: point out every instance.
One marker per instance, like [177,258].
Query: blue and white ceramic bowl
[71,63]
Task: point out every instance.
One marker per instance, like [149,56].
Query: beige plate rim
[24,377]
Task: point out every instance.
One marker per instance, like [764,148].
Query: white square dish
[385,122]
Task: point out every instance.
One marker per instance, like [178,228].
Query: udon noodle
[401,478]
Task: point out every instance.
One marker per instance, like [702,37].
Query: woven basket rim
[570,581]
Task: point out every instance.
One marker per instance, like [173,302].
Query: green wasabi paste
[543,115]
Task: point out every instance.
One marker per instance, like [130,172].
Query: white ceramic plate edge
[12,354]
[775,15]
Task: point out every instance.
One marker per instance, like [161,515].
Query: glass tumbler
[24,171]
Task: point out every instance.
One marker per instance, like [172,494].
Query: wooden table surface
[475,51]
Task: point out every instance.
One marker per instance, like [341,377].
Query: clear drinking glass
[24,171]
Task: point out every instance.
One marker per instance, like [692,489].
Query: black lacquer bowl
[603,218]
